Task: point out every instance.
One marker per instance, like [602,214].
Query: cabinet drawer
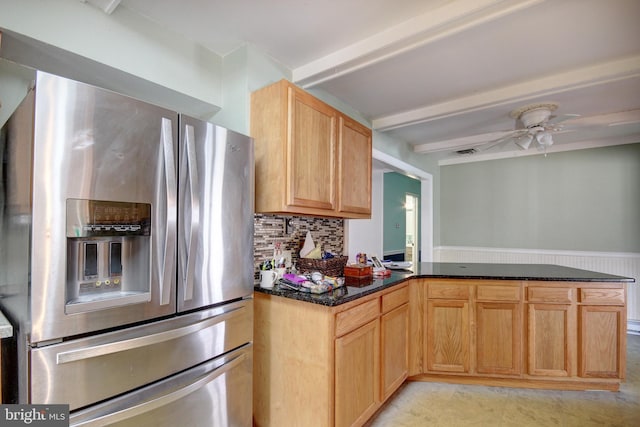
[447,291]
[498,293]
[602,296]
[559,295]
[395,299]
[349,320]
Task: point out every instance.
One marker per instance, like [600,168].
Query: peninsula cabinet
[577,331]
[499,328]
[602,333]
[552,329]
[473,327]
[316,365]
[447,327]
[540,334]
[332,360]
[310,158]
[394,340]
[357,363]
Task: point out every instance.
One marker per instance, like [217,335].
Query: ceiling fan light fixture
[544,139]
[524,141]
[534,114]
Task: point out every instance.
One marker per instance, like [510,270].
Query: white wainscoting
[621,264]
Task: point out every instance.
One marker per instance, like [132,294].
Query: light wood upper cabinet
[310,158]
[311,150]
[354,168]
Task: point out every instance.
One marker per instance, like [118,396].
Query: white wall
[122,40]
[361,234]
[365,235]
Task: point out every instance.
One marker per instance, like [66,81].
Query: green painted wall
[395,188]
[586,200]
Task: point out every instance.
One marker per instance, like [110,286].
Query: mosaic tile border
[271,229]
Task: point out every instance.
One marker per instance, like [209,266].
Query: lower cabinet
[498,338]
[551,331]
[447,340]
[394,341]
[317,365]
[551,340]
[473,327]
[372,360]
[357,378]
[328,366]
[577,332]
[602,341]
[542,334]
[447,327]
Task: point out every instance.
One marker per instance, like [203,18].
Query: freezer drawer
[216,393]
[84,371]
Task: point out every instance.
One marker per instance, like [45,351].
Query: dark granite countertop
[445,270]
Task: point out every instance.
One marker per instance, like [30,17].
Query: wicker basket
[329,267]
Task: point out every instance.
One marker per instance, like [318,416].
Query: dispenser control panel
[96,218]
[108,247]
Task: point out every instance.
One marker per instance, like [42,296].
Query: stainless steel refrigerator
[126,250]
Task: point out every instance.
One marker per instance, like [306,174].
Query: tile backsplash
[271,229]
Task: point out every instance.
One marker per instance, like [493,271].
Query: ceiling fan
[534,123]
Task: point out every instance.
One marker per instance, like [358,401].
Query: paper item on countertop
[316,253]
[308,246]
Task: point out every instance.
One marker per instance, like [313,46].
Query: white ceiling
[441,74]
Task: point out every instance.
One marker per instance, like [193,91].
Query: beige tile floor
[438,404]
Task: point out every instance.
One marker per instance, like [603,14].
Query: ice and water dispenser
[108,254]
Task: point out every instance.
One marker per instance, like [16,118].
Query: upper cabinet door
[310,158]
[354,167]
[311,149]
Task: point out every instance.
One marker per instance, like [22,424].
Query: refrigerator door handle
[166,253]
[166,399]
[143,341]
[187,257]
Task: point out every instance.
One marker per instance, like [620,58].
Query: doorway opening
[412,233]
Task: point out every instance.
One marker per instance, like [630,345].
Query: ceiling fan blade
[455,144]
[515,134]
[611,119]
[561,118]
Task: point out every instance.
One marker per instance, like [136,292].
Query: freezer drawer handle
[167,253]
[164,400]
[133,343]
